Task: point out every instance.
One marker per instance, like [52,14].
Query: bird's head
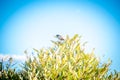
[57,35]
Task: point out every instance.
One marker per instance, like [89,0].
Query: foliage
[65,60]
[6,71]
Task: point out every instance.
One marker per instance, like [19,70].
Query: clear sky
[33,23]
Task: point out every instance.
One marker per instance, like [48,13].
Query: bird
[59,37]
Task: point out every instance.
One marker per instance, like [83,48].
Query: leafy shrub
[7,72]
[66,60]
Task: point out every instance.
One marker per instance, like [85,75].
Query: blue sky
[32,24]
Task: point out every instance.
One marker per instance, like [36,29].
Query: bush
[7,72]
[66,60]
